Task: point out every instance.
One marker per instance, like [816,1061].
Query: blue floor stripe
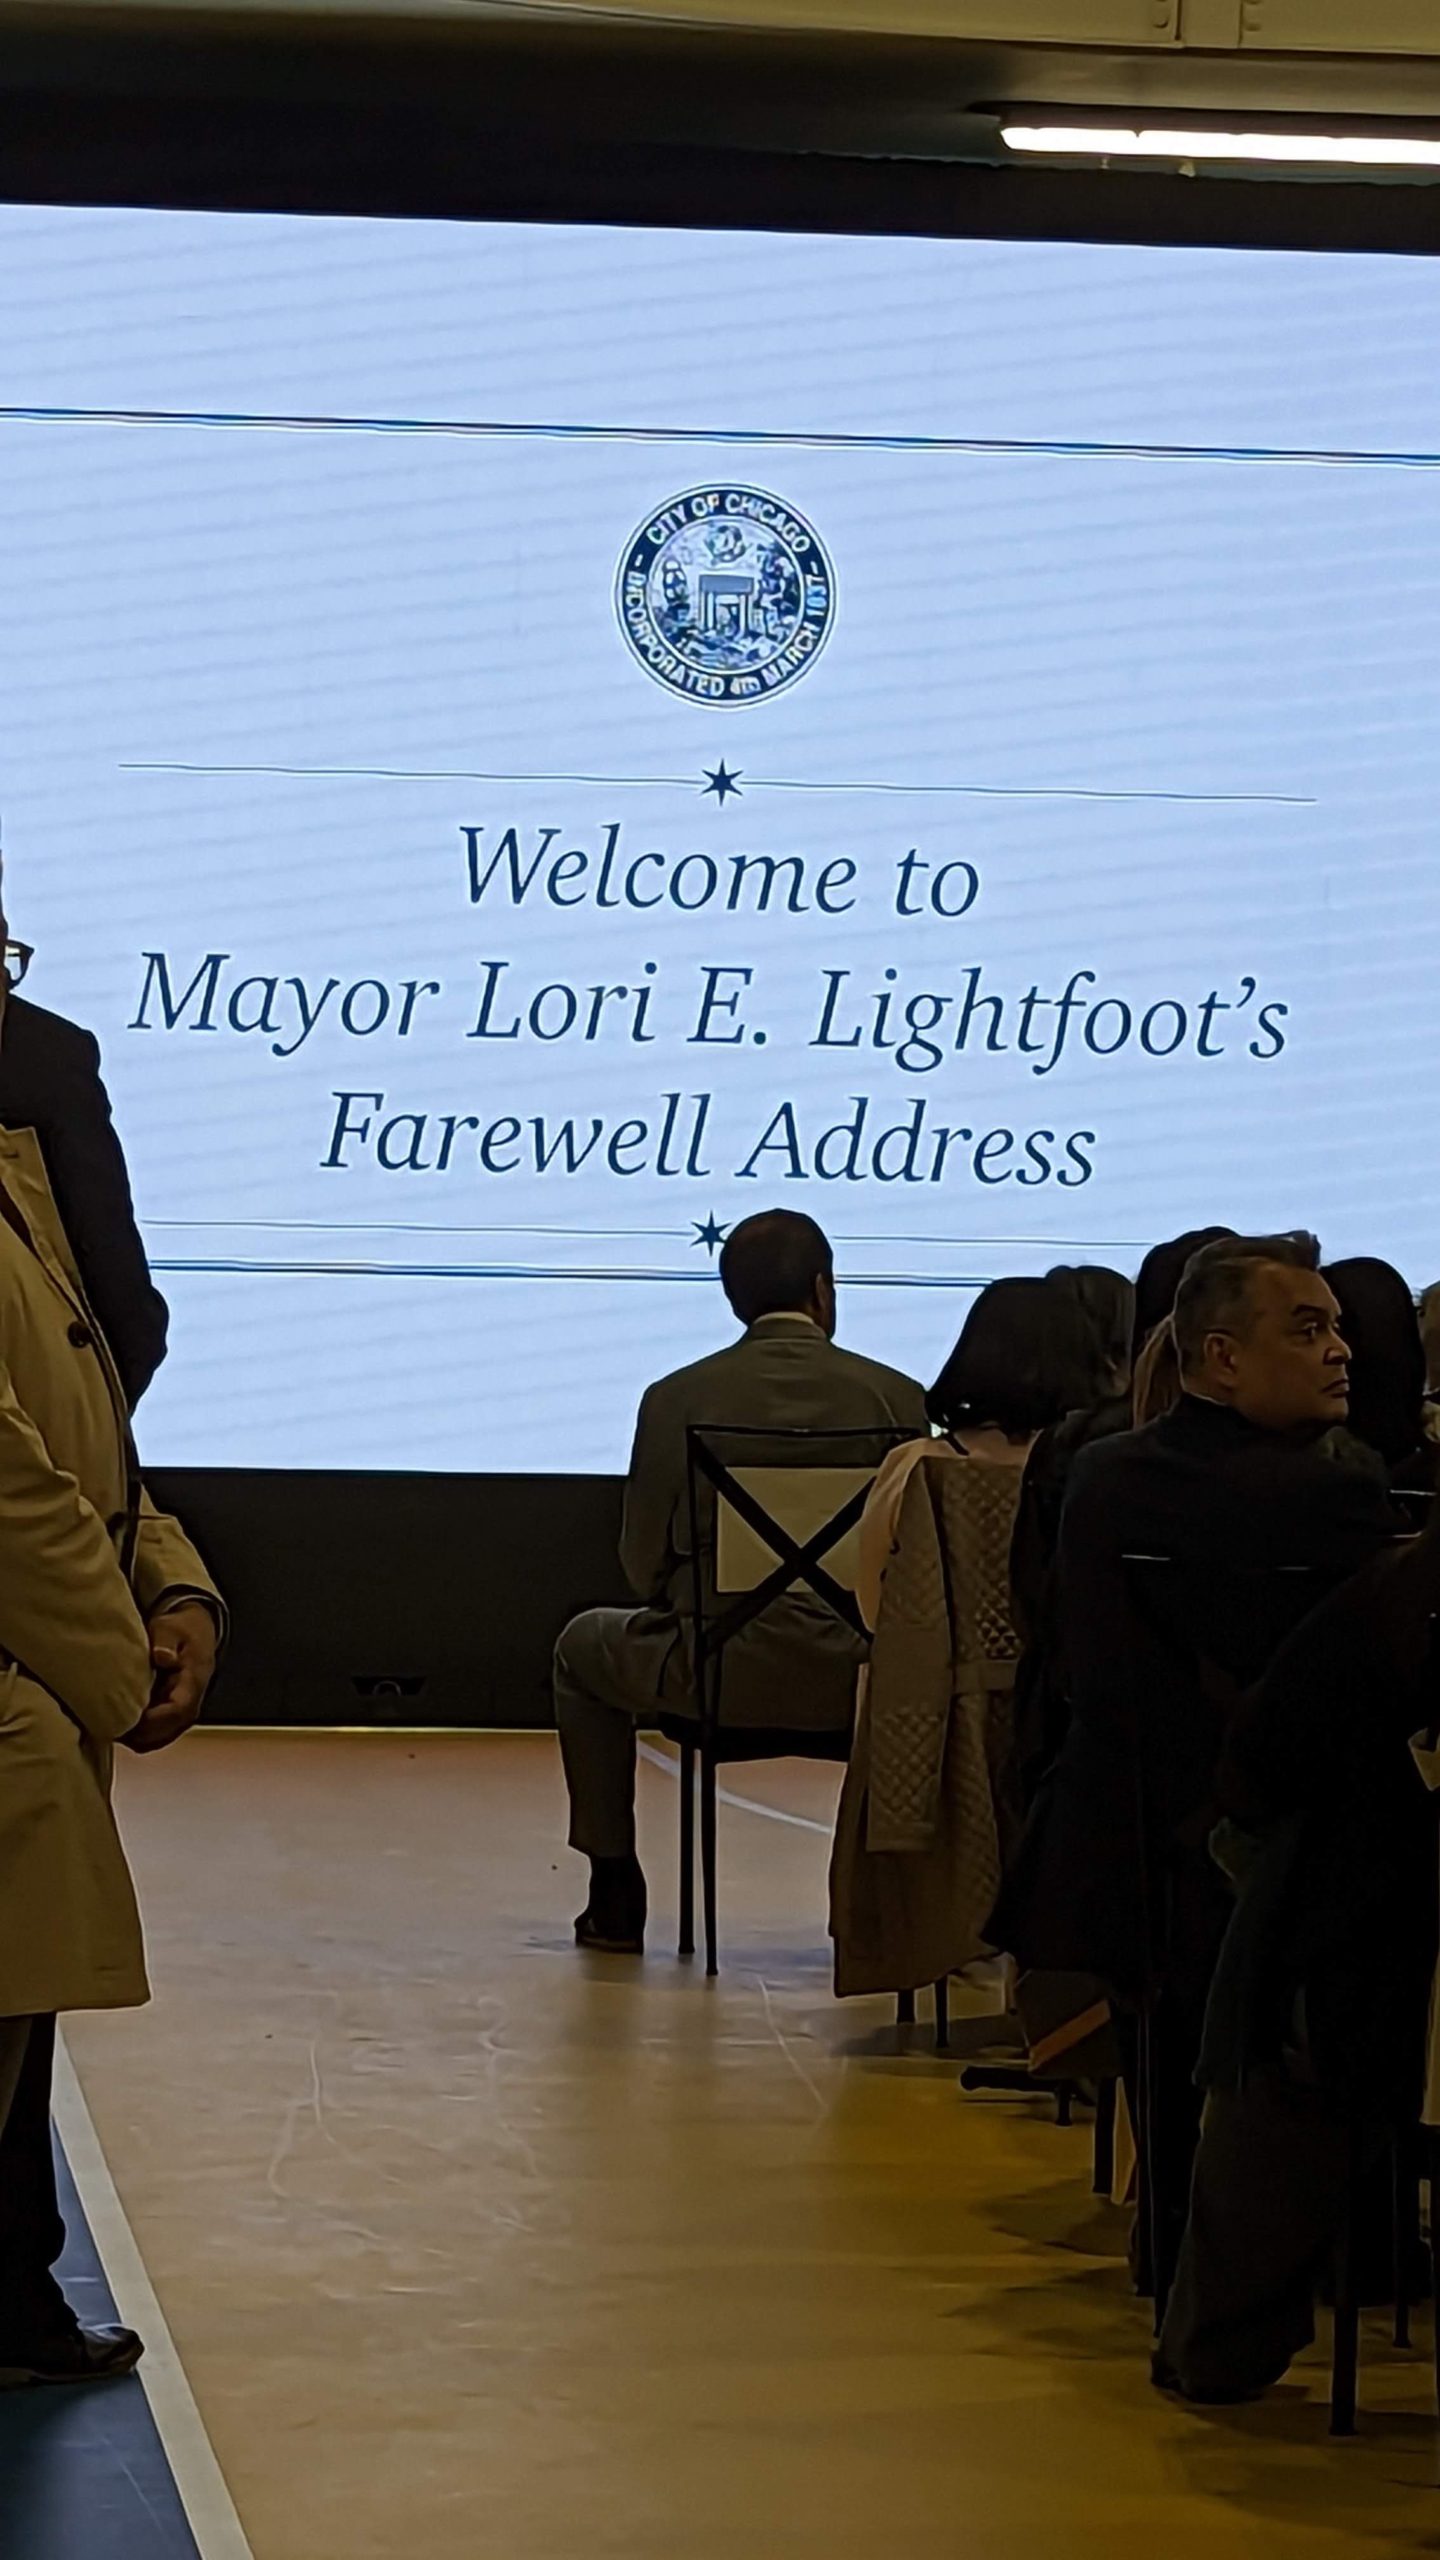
[83,2474]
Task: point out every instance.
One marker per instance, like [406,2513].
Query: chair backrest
[773,1520]
[1297,1590]
[801,1502]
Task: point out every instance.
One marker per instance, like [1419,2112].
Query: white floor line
[218,2532]
[742,1804]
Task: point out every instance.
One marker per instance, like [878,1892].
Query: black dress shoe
[605,1934]
[74,2356]
[613,1920]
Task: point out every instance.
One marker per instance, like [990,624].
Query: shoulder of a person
[892,1383]
[30,1031]
[680,1388]
[1335,1485]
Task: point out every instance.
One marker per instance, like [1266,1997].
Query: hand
[183,1644]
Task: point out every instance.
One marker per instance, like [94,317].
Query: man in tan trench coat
[109,1625]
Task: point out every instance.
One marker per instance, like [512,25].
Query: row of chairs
[773,1513]
[770,1513]
[1415,2153]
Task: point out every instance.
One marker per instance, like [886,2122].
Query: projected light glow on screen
[528,744]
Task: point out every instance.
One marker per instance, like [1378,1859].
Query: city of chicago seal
[726,595]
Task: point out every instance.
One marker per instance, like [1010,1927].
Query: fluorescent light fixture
[1174,142]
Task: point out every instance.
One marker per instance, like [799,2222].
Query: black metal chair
[771,1514]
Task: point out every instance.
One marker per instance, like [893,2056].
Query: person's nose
[1339,1351]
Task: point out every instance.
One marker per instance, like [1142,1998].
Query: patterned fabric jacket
[923,1820]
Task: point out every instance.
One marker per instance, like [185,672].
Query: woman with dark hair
[1106,1300]
[1387,1371]
[1024,1358]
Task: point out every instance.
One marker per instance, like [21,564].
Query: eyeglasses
[17,957]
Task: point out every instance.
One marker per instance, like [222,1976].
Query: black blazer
[50,1082]
[1254,1528]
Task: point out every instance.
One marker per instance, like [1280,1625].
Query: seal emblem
[726,595]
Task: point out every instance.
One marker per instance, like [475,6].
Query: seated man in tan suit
[109,1625]
[616,1669]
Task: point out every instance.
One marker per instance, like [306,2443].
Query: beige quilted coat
[74,1653]
[922,1823]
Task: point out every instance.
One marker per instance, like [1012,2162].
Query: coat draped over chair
[923,1820]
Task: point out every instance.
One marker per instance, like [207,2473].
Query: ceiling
[1363,28]
[1329,48]
[189,84]
[1359,29]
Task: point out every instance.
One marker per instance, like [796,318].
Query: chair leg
[942,2015]
[1405,2169]
[1432,2163]
[904,2008]
[1345,2366]
[1105,2105]
[1065,2102]
[687,1849]
[1147,2135]
[708,1783]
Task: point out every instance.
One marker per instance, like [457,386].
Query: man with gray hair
[1188,1552]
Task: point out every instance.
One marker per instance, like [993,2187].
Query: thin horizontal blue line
[670,781]
[530,1271]
[671,1235]
[1062,447]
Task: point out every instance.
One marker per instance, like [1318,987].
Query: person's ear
[1220,1361]
[825,1302]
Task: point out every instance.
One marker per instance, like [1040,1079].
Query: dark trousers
[615,1670]
[32,2233]
[1272,2179]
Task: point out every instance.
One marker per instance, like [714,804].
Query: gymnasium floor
[468,2246]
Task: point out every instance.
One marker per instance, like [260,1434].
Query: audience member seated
[617,1669]
[1106,1300]
[922,1814]
[1024,1356]
[1387,1373]
[1155,1389]
[1041,1704]
[1317,2022]
[1228,1489]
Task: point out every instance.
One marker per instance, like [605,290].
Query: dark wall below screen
[396,1599]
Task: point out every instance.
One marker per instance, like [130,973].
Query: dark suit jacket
[1253,1528]
[50,1082]
[782,1375]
